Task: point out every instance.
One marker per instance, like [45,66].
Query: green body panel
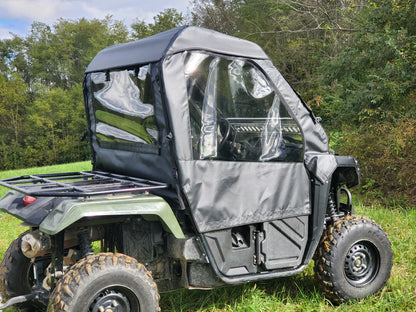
[71,210]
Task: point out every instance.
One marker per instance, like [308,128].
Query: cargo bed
[79,184]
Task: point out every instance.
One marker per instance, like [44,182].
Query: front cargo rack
[79,184]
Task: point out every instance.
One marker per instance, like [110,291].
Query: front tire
[105,282]
[354,259]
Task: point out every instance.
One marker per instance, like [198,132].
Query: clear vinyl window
[235,112]
[123,106]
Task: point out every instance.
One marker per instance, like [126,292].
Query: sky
[16,16]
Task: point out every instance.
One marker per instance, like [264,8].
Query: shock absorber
[84,243]
[332,207]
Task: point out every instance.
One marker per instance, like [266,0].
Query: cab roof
[155,48]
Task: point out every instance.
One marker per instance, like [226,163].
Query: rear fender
[33,214]
[70,211]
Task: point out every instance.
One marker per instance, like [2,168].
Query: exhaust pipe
[35,244]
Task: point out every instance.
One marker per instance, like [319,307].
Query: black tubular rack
[79,184]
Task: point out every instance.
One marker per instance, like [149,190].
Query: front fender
[347,172]
[70,211]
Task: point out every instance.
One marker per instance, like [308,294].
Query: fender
[347,172]
[70,211]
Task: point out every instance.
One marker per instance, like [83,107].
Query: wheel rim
[115,299]
[362,263]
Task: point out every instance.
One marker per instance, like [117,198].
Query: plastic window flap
[110,131]
[121,94]
[271,137]
[192,62]
[208,144]
[235,73]
[261,87]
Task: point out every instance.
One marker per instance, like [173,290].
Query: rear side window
[123,106]
[236,114]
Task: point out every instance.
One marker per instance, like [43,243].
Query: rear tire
[105,282]
[354,259]
[16,276]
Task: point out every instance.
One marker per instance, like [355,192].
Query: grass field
[298,293]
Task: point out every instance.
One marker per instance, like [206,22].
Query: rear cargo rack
[79,184]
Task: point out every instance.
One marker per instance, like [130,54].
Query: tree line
[353,61]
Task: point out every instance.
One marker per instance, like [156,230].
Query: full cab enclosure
[216,120]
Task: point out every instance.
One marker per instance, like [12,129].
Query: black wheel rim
[362,263]
[115,299]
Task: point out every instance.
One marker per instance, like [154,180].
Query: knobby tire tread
[324,257]
[63,292]
[11,256]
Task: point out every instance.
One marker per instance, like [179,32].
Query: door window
[235,112]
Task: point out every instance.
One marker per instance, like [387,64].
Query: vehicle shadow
[246,297]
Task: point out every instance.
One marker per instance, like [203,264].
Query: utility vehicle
[208,170]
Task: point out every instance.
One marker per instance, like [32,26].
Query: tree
[219,15]
[13,101]
[13,105]
[57,56]
[372,99]
[57,119]
[165,20]
[298,35]
[77,42]
[374,75]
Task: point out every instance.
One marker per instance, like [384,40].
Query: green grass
[297,293]
[78,166]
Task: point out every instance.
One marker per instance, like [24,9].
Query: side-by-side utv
[208,170]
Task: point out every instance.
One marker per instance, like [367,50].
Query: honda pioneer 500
[208,170]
